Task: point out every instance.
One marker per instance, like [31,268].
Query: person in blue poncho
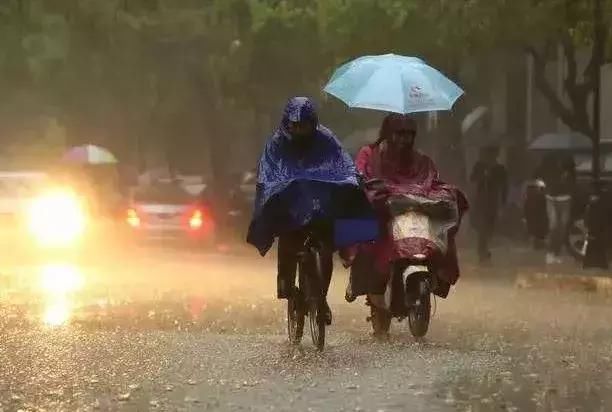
[304,176]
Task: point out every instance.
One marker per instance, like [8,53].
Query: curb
[596,283]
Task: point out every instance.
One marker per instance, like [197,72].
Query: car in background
[165,211]
[17,191]
[39,216]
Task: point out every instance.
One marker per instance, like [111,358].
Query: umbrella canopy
[393,83]
[90,154]
[561,141]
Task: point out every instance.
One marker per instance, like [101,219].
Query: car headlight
[56,218]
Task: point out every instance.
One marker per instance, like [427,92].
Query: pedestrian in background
[558,171]
[490,179]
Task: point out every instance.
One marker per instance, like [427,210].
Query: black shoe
[348,294]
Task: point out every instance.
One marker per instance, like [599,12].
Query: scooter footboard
[402,287]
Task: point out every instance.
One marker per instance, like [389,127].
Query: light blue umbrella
[393,83]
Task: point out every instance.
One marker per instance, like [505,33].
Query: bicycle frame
[309,295]
[311,277]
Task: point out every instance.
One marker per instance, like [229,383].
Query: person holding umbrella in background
[558,171]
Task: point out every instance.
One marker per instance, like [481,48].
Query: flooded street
[174,330]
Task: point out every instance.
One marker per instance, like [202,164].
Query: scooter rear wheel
[419,315]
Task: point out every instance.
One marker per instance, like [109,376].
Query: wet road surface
[174,330]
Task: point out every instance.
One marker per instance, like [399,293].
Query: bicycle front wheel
[316,310]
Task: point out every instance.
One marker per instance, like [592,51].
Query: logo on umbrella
[416,92]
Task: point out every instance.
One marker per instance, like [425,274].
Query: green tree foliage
[540,28]
[193,78]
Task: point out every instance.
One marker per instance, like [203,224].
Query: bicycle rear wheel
[295,317]
[317,324]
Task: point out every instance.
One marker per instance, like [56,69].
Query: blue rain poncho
[294,187]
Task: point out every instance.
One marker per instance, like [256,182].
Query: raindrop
[190,399]
[134,386]
[56,392]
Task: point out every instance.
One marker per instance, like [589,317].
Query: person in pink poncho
[401,169]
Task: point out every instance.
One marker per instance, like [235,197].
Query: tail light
[132,218]
[196,220]
[200,221]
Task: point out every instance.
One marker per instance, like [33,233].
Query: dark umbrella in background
[586,165]
[573,142]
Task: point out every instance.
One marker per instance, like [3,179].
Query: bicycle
[307,298]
